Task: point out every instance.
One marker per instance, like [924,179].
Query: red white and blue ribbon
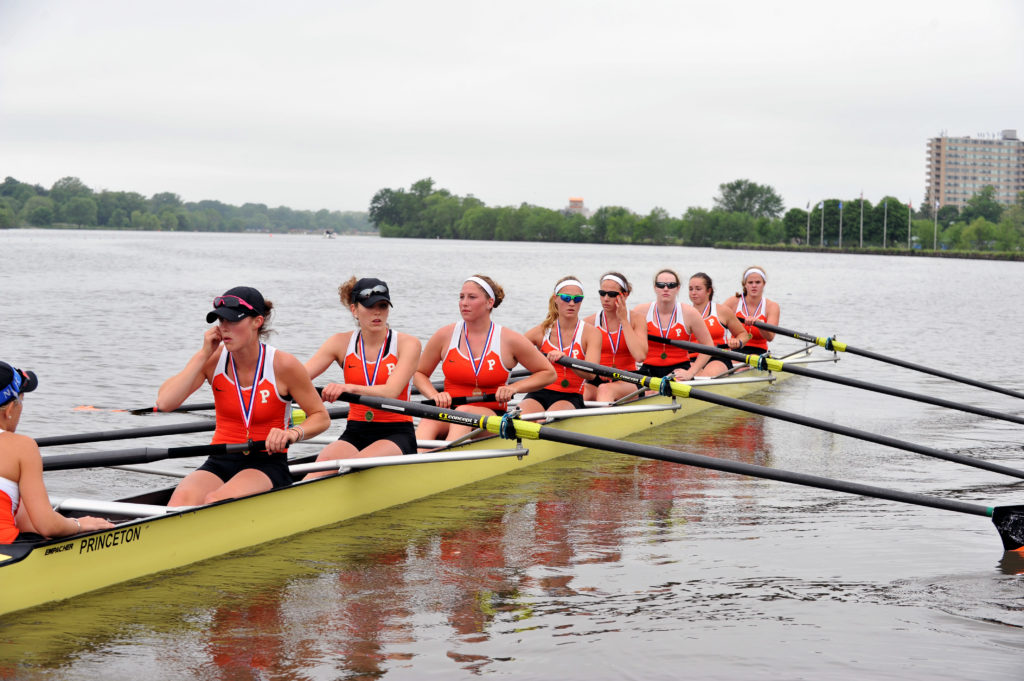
[380,355]
[256,378]
[477,366]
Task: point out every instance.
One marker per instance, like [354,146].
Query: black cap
[236,304]
[15,381]
[369,291]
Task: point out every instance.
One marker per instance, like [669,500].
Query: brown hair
[265,330]
[629,287]
[667,271]
[743,281]
[552,317]
[345,291]
[707,284]
[499,293]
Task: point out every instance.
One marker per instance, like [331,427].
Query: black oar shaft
[154,431]
[776,365]
[684,390]
[137,455]
[832,344]
[530,430]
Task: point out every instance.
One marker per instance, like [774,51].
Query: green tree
[81,211]
[67,188]
[794,223]
[744,196]
[982,205]
[8,217]
[39,211]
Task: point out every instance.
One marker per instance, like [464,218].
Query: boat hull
[63,568]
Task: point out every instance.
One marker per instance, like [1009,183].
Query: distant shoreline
[917,253]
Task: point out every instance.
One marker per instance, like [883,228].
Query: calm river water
[596,566]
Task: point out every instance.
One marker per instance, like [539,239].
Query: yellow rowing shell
[63,568]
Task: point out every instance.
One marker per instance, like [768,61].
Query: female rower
[667,318]
[478,356]
[374,361]
[623,338]
[563,333]
[25,511]
[253,387]
[719,319]
[752,305]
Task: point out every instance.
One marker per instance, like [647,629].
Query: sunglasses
[609,294]
[378,290]
[567,298]
[232,302]
[667,284]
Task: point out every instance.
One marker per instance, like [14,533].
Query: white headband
[617,280]
[484,285]
[567,282]
[754,270]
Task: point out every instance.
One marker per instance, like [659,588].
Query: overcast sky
[641,104]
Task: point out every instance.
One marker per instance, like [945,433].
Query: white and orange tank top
[672,327]
[362,370]
[480,374]
[566,380]
[758,341]
[10,499]
[614,351]
[248,412]
[718,332]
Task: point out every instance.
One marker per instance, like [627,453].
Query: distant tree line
[743,212]
[69,202]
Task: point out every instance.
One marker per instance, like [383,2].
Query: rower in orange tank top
[563,333]
[726,330]
[375,360]
[476,358]
[752,305]
[623,338]
[667,318]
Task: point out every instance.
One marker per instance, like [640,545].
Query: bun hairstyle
[552,317]
[707,284]
[757,269]
[666,271]
[499,293]
[627,288]
[345,291]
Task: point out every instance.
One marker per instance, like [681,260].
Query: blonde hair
[552,317]
[668,271]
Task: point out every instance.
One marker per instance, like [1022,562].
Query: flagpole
[862,219]
[885,222]
[840,224]
[808,242]
[821,243]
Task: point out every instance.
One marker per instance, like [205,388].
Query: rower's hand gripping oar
[666,386]
[832,345]
[1008,520]
[766,363]
[63,462]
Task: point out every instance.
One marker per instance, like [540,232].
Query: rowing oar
[63,462]
[766,363]
[1009,520]
[129,433]
[197,426]
[670,387]
[832,344]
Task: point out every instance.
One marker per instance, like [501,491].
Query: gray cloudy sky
[641,104]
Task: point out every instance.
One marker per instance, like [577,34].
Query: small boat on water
[149,537]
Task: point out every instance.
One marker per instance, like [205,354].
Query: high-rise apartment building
[958,168]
